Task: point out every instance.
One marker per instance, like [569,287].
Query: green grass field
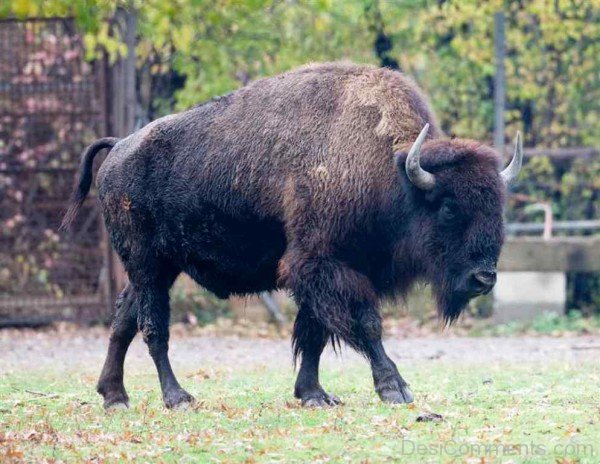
[491,413]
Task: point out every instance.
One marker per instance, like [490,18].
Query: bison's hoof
[395,392]
[115,406]
[178,399]
[319,399]
[115,398]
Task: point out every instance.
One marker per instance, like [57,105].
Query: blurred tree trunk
[383,42]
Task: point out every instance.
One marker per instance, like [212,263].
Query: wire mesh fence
[52,104]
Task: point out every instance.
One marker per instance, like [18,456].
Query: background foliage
[214,46]
[191,50]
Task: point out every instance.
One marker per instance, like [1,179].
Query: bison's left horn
[511,172]
[416,174]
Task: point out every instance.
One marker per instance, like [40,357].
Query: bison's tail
[84,182]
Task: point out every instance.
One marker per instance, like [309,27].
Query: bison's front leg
[389,384]
[310,337]
[343,302]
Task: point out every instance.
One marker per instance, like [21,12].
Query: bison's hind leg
[144,306]
[124,328]
[152,282]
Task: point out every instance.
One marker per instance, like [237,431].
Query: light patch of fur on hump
[342,66]
[398,99]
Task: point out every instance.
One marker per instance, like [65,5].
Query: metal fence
[52,103]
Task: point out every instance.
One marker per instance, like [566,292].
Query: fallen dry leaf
[430,417]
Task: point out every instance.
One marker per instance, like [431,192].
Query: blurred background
[73,71]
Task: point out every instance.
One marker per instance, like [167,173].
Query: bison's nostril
[482,281]
[486,277]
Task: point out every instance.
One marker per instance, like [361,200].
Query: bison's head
[455,195]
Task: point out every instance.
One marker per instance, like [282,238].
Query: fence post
[499,82]
[122,104]
[122,96]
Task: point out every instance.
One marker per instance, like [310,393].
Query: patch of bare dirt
[65,349]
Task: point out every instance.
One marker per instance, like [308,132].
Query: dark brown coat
[297,181]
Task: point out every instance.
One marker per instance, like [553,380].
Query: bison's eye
[448,212]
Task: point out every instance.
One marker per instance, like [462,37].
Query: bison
[307,181]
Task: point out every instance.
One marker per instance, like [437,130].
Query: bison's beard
[450,302]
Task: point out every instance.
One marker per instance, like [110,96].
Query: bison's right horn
[416,174]
[511,172]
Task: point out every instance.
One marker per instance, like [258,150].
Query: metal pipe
[562,226]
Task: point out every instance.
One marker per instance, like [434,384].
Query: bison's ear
[400,159]
[400,162]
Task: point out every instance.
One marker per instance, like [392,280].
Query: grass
[548,323]
[547,413]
